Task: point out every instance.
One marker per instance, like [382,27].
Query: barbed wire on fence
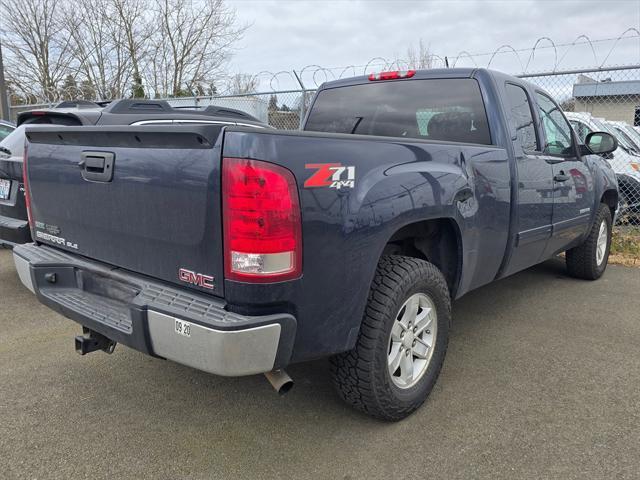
[312,75]
[596,98]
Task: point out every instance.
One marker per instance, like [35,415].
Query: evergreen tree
[137,91]
[273,103]
[88,90]
[69,88]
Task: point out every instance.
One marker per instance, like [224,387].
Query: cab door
[573,185]
[534,194]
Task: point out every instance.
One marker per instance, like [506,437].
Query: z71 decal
[332,175]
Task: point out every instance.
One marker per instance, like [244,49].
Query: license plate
[183,328]
[5,189]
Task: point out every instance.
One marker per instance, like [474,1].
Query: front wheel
[589,260]
[402,342]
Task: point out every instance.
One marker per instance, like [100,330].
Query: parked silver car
[628,132]
[5,129]
[625,160]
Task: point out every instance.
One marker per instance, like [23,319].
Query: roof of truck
[420,74]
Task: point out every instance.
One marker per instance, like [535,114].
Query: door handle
[97,166]
[561,177]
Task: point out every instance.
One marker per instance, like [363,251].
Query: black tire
[582,260]
[361,376]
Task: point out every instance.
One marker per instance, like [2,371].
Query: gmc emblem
[198,279]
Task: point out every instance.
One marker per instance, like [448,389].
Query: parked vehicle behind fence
[624,161]
[14,228]
[5,129]
[630,134]
[242,250]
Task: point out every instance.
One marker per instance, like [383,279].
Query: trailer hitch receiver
[91,341]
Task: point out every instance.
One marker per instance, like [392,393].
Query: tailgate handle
[97,166]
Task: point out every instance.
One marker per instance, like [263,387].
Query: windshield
[607,128]
[14,143]
[632,133]
[627,139]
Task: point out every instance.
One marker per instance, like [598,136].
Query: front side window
[432,109]
[557,130]
[520,117]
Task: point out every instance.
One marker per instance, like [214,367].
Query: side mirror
[600,143]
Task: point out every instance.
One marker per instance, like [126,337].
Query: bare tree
[242,83]
[108,44]
[191,45]
[98,46]
[116,48]
[420,58]
[137,30]
[39,55]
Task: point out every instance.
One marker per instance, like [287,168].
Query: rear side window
[520,117]
[5,130]
[436,109]
[14,142]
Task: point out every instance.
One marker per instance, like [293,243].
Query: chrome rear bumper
[173,323]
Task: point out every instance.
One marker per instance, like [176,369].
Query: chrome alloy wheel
[601,246]
[412,340]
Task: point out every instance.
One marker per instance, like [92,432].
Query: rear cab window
[449,110]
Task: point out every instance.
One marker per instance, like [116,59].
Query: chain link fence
[605,100]
[594,100]
[284,110]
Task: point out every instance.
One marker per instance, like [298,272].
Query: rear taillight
[395,75]
[25,185]
[262,224]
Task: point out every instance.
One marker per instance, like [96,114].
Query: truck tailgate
[145,198]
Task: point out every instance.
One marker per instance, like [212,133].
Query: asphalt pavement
[541,380]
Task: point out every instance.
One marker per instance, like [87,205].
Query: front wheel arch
[610,198]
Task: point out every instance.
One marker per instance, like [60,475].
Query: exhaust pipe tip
[280,381]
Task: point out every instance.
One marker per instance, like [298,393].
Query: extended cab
[239,251]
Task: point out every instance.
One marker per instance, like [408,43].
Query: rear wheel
[402,341]
[589,260]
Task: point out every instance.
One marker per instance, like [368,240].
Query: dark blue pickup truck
[238,250]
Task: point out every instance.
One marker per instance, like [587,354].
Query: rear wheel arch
[437,240]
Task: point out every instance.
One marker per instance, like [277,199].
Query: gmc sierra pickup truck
[239,250]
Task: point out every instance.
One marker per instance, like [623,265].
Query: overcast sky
[286,34]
